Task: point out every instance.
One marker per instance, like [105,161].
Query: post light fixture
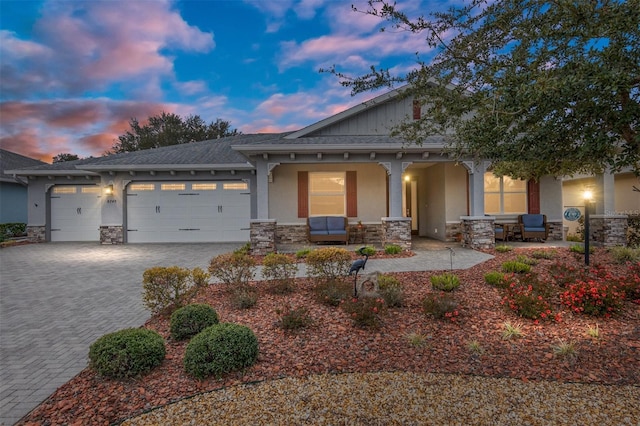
[108,189]
[587,195]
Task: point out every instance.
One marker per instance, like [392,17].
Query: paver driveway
[58,298]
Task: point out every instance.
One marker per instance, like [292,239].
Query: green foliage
[303,253]
[392,249]
[528,296]
[594,297]
[328,264]
[191,320]
[9,230]
[391,290]
[544,254]
[170,129]
[496,279]
[294,319]
[244,250]
[440,305]
[280,270]
[523,83]
[579,248]
[220,349]
[574,238]
[526,260]
[633,231]
[62,157]
[243,297]
[625,254]
[515,267]
[167,288]
[503,248]
[235,269]
[333,292]
[365,311]
[445,282]
[127,353]
[511,331]
[200,277]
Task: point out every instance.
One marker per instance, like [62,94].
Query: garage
[75,213]
[186,212]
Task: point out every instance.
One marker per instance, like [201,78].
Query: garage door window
[204,186]
[91,190]
[238,186]
[173,187]
[142,187]
[64,190]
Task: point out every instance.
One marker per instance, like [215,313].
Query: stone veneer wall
[262,234]
[556,231]
[37,234]
[478,232]
[609,230]
[291,234]
[111,235]
[453,231]
[397,231]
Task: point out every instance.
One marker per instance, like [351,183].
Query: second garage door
[188,212]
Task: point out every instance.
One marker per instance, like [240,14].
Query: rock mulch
[333,358]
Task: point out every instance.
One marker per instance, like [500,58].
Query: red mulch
[334,345]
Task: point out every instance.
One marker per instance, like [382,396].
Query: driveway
[58,298]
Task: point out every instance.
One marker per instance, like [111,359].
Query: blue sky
[73,73]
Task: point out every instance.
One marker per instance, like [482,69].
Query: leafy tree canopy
[63,156]
[536,86]
[170,129]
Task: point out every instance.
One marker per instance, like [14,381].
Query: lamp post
[587,202]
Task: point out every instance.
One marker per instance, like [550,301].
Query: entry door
[75,213]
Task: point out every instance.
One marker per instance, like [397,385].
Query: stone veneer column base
[609,230]
[111,234]
[37,234]
[556,231]
[262,234]
[397,231]
[478,232]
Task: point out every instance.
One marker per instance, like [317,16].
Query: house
[262,187]
[13,188]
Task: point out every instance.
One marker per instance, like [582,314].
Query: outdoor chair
[533,226]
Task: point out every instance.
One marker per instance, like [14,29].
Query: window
[327,193]
[142,187]
[204,186]
[90,190]
[235,186]
[64,189]
[173,187]
[503,195]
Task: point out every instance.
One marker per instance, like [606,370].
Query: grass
[417,340]
[475,348]
[511,331]
[503,248]
[565,350]
[593,332]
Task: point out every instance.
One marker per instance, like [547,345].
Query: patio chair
[533,226]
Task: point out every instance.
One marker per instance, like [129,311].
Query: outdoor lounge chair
[533,226]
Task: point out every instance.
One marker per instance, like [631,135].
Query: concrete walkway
[58,298]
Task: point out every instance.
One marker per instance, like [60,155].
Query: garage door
[75,213]
[188,212]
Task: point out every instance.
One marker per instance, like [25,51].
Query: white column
[262,190]
[394,170]
[476,171]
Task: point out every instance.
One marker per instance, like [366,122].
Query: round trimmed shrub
[127,353]
[220,349]
[191,320]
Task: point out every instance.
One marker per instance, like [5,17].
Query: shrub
[503,248]
[625,254]
[496,279]
[365,311]
[511,331]
[391,290]
[441,306]
[526,260]
[8,230]
[200,277]
[245,250]
[593,297]
[220,349]
[575,238]
[166,288]
[333,292]
[235,269]
[191,320]
[392,249]
[127,353]
[633,231]
[544,254]
[630,283]
[244,297]
[303,253]
[579,248]
[281,271]
[515,267]
[368,250]
[294,319]
[528,297]
[445,282]
[329,263]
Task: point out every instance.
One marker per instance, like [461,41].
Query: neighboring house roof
[10,161]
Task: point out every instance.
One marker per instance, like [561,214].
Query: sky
[74,73]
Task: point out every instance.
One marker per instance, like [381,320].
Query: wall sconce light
[108,189]
[407,178]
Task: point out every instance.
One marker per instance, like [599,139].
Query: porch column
[604,194]
[476,171]
[262,189]
[395,170]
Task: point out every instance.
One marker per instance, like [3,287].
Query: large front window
[327,193]
[503,195]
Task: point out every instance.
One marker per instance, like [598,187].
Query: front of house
[262,187]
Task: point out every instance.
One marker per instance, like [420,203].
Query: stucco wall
[372,191]
[434,206]
[13,203]
[627,200]
[456,182]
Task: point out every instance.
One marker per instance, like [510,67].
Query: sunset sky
[73,73]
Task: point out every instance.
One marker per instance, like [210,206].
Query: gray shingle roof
[11,161]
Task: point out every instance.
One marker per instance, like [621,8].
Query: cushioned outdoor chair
[500,232]
[533,226]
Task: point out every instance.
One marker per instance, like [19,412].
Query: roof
[10,161]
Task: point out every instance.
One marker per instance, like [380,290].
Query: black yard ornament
[356,267]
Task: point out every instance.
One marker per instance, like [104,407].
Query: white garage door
[188,212]
[75,213]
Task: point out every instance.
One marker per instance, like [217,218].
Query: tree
[170,129]
[62,157]
[538,87]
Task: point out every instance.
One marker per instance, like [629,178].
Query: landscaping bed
[604,350]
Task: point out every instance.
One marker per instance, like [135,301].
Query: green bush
[441,306]
[544,254]
[633,231]
[333,292]
[127,353]
[280,270]
[515,267]
[220,349]
[166,288]
[235,269]
[496,279]
[529,297]
[303,253]
[368,250]
[392,249]
[200,277]
[365,311]
[625,254]
[191,320]
[294,319]
[328,264]
[445,282]
[245,250]
[579,248]
[391,290]
[526,260]
[9,230]
[503,248]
